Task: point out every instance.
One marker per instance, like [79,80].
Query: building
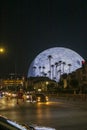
[12,81]
[77,79]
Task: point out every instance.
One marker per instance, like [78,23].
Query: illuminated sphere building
[54,62]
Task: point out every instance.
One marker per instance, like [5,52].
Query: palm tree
[39,70]
[34,69]
[59,71]
[63,66]
[43,70]
[52,71]
[69,67]
[56,65]
[45,74]
[60,62]
[50,57]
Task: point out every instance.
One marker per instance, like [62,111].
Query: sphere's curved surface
[55,61]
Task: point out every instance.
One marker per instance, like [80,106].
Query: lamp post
[2,50]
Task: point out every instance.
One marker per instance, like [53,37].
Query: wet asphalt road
[59,114]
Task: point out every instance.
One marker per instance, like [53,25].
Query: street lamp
[2,50]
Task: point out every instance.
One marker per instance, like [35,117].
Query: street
[58,114]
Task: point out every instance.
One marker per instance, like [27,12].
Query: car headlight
[46,98]
[38,99]
[27,96]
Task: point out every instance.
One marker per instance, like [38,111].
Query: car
[8,124]
[40,97]
[14,95]
[28,97]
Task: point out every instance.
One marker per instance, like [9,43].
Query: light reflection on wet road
[59,115]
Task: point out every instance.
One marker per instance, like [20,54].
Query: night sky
[28,27]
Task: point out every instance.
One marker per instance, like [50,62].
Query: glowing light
[2,50]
